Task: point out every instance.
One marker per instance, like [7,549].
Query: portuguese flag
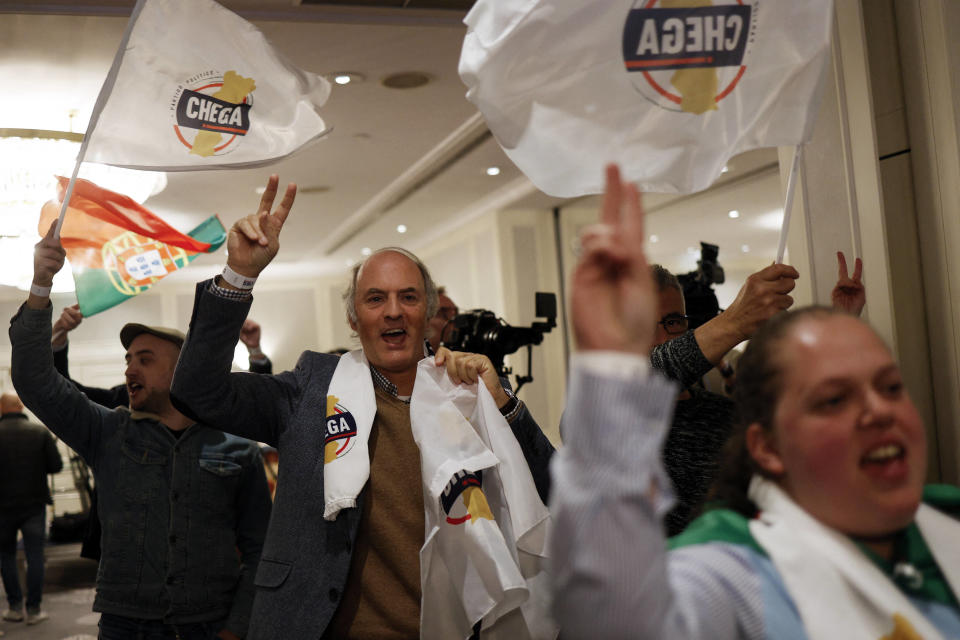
[118,248]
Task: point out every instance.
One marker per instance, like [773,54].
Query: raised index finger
[841,265]
[269,193]
[283,210]
[857,269]
[612,197]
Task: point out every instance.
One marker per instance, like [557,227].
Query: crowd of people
[404,508]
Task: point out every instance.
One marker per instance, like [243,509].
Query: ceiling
[415,157]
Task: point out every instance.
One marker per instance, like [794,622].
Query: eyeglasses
[447,313]
[674,323]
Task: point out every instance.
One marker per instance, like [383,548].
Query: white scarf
[485,549]
[838,590]
[351,407]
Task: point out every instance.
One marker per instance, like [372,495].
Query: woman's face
[848,443]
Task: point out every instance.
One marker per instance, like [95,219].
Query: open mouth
[133,388]
[394,336]
[886,460]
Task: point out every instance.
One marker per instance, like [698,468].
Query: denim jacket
[175,511]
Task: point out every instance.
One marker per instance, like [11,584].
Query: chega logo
[341,429]
[688,55]
[469,486]
[211,112]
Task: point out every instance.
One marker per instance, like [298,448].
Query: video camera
[697,286]
[481,331]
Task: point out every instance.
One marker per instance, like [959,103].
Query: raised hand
[762,296]
[614,301]
[849,293]
[250,334]
[253,241]
[463,367]
[48,258]
[69,320]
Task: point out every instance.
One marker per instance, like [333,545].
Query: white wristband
[240,282]
[40,292]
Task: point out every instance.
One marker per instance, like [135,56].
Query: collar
[380,381]
[141,415]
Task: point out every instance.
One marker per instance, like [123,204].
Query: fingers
[250,228]
[857,270]
[286,203]
[777,271]
[463,368]
[269,193]
[612,196]
[51,232]
[842,273]
[783,285]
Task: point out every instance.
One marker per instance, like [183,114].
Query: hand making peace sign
[254,240]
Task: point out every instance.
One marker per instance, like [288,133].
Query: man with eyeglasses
[702,420]
[441,323]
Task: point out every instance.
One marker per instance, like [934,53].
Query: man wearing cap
[178,500]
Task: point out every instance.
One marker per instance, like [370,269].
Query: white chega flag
[668,89]
[195,86]
[484,559]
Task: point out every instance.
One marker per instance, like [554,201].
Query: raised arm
[70,318]
[250,337]
[611,569]
[252,406]
[764,294]
[50,396]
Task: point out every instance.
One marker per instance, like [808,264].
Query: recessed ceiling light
[734,214]
[406,80]
[724,170]
[493,171]
[345,77]
[366,251]
[654,238]
[745,248]
[401,228]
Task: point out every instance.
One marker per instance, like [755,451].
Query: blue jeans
[31,522]
[122,628]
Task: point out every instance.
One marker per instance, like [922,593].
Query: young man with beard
[177,499]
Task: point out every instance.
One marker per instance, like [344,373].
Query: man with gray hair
[331,571]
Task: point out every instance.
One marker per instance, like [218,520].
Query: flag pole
[104,94]
[788,205]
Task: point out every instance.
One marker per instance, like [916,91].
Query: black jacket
[28,452]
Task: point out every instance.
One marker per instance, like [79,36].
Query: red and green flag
[117,248]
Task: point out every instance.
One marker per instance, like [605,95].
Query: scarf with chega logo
[839,592]
[486,528]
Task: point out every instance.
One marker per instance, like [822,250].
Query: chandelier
[29,161]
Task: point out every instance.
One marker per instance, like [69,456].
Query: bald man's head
[10,403]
